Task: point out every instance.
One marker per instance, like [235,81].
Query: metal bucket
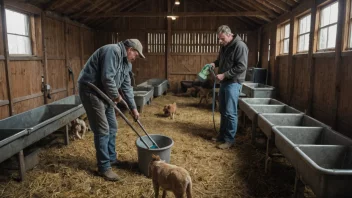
[145,155]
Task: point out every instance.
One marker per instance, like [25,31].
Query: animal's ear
[155,157]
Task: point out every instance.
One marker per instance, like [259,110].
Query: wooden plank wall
[26,72]
[184,65]
[323,71]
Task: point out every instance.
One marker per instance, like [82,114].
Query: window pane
[308,23]
[333,13]
[287,31]
[306,42]
[323,38]
[300,43]
[286,44]
[324,18]
[302,25]
[19,44]
[332,36]
[17,23]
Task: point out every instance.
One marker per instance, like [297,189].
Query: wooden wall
[68,44]
[316,83]
[181,65]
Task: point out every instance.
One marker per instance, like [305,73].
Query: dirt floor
[70,171]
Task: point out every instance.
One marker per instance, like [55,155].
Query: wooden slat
[45,62]
[7,61]
[283,6]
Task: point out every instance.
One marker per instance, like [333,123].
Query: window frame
[30,32]
[283,38]
[324,27]
[303,34]
[269,50]
[349,40]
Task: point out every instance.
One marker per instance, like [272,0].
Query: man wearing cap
[232,62]
[108,69]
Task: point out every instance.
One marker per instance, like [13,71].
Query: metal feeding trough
[160,85]
[253,111]
[289,137]
[142,96]
[267,121]
[20,131]
[258,90]
[327,169]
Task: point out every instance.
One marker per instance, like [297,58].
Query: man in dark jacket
[109,69]
[232,63]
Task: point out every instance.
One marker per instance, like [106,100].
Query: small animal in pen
[204,94]
[170,110]
[169,177]
[78,128]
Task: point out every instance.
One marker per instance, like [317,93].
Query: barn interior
[303,47]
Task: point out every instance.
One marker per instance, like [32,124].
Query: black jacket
[233,60]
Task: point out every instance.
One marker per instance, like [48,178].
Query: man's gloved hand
[135,114]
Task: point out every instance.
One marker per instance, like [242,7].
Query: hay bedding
[70,171]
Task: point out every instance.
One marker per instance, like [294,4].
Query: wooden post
[310,59]
[45,56]
[7,60]
[338,50]
[21,165]
[290,65]
[66,135]
[66,57]
[168,43]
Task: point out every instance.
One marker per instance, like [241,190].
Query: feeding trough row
[144,92]
[22,130]
[322,157]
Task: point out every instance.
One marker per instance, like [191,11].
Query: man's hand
[118,99]
[212,65]
[135,114]
[220,77]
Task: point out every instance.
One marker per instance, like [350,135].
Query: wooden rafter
[263,17]
[226,8]
[269,6]
[88,7]
[179,14]
[268,11]
[55,4]
[291,3]
[283,6]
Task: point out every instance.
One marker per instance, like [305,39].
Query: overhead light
[177,2]
[172,17]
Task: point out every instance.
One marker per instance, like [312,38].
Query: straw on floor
[70,171]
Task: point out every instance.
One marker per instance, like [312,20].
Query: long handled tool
[108,100]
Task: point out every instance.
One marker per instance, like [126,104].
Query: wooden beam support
[168,43]
[66,44]
[45,56]
[290,59]
[310,60]
[180,14]
[265,18]
[291,3]
[25,7]
[268,11]
[338,59]
[7,61]
[88,7]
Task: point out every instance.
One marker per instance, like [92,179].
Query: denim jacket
[108,69]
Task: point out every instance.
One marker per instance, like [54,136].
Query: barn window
[18,33]
[303,33]
[156,42]
[284,38]
[203,42]
[328,27]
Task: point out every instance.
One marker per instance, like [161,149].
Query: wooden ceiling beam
[268,11]
[179,14]
[55,4]
[283,6]
[291,3]
[88,7]
[270,6]
[226,8]
[265,18]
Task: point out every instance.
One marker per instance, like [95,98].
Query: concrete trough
[160,85]
[327,169]
[258,90]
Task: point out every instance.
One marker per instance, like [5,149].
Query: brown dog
[169,178]
[170,110]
